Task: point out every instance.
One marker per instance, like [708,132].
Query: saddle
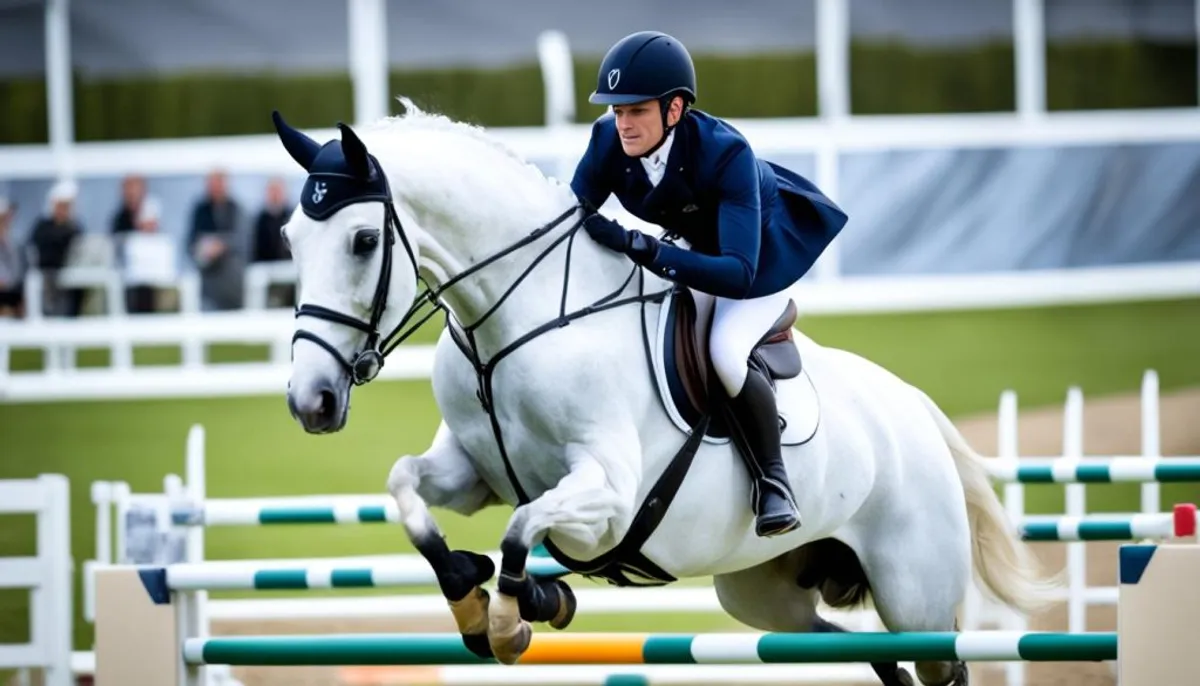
[694,386]
[692,395]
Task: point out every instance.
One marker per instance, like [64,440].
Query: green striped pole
[719,648]
[250,514]
[1112,527]
[231,575]
[1095,470]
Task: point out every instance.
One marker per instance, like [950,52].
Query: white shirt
[656,164]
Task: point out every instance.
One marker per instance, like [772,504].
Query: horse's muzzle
[320,409]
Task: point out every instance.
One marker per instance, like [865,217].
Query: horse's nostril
[328,404]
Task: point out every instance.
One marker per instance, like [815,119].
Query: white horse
[560,398]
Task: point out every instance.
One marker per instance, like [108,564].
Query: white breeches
[737,326]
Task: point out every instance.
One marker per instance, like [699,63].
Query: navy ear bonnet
[340,173]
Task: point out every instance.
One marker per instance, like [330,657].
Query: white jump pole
[1151,445]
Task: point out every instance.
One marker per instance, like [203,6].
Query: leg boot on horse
[444,476]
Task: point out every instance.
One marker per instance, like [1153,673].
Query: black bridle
[366,362]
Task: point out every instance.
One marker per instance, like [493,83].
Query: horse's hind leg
[768,598]
[919,569]
[444,477]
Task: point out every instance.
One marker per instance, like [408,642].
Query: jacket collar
[675,187]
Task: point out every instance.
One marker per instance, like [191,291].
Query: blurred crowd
[221,239]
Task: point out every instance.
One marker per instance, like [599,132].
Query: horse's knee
[402,483]
[403,477]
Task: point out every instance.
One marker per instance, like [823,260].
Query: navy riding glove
[607,232]
[641,248]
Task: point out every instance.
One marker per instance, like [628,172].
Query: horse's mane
[411,132]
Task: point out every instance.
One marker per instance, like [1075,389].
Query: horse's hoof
[479,645]
[471,613]
[903,678]
[566,605]
[508,634]
[961,675]
[508,649]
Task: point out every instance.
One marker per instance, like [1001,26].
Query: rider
[754,228]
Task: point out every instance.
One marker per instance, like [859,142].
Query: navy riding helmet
[647,65]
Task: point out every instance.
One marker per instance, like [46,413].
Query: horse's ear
[355,152]
[302,148]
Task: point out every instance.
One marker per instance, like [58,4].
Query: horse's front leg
[597,493]
[444,477]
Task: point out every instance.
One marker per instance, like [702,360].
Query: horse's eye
[365,241]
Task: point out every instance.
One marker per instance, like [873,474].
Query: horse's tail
[1005,564]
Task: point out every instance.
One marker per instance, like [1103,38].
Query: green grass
[964,360]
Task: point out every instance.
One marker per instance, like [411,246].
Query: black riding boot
[755,428]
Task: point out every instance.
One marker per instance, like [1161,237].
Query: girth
[617,565]
[624,564]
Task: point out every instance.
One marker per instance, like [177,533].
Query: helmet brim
[618,98]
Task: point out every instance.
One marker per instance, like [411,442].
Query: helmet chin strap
[664,105]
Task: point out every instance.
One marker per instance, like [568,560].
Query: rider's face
[640,125]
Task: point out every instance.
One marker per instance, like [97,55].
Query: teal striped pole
[249,514]
[1181,521]
[719,648]
[233,576]
[1064,528]
[1096,470]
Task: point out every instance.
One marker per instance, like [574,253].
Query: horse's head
[356,274]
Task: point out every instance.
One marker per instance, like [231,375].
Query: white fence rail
[58,338]
[47,576]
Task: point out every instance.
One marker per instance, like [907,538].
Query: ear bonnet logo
[318,193]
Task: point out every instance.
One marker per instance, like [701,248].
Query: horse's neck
[463,227]
[575,269]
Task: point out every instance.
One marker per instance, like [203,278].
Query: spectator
[12,276]
[133,192]
[139,298]
[51,240]
[140,259]
[268,241]
[213,244]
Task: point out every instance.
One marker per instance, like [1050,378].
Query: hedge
[885,79]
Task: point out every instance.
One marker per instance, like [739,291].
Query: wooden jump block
[1158,615]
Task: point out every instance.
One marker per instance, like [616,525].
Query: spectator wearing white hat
[12,271]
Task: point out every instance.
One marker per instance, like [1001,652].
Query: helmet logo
[613,77]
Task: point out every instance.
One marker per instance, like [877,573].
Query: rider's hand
[607,232]
[642,249]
